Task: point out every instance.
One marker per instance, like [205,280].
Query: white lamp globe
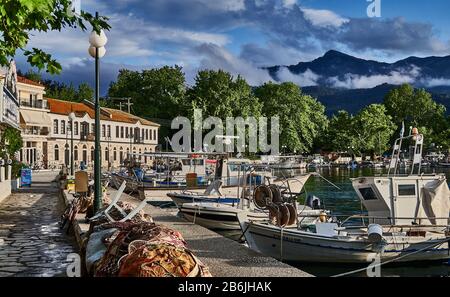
[101,51]
[72,116]
[98,40]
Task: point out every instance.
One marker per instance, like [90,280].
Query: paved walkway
[31,243]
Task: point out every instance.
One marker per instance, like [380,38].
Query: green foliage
[218,94]
[62,91]
[155,93]
[16,167]
[11,142]
[302,118]
[20,17]
[417,109]
[340,130]
[373,128]
[369,132]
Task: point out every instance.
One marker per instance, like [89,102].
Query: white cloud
[305,79]
[324,18]
[436,82]
[354,81]
[215,57]
[289,3]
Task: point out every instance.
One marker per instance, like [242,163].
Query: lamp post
[71,118]
[97,50]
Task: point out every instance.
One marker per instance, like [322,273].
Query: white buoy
[375,233]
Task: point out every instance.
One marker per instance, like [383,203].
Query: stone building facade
[47,131]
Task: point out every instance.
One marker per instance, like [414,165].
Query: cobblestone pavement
[31,243]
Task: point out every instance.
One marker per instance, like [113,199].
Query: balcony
[37,131]
[40,104]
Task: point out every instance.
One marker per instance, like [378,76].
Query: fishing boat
[229,171]
[222,214]
[407,220]
[284,162]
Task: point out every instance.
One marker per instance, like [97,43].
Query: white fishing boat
[227,170]
[284,162]
[222,214]
[407,220]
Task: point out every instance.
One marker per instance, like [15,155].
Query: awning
[36,118]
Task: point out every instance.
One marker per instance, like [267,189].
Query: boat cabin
[414,199]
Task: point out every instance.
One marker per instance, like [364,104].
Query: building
[9,118]
[47,131]
[9,105]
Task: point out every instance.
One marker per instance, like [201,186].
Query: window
[56,152]
[121,155]
[93,128]
[121,132]
[407,190]
[154,135]
[151,138]
[126,133]
[146,134]
[117,131]
[103,131]
[75,129]
[63,127]
[106,154]
[143,134]
[115,154]
[368,193]
[75,153]
[109,131]
[55,127]
[92,154]
[85,154]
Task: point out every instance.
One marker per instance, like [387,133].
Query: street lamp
[97,50]
[71,118]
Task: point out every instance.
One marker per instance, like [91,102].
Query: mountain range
[342,81]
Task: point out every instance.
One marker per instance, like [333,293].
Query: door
[405,200]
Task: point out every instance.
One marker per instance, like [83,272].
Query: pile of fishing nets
[140,249]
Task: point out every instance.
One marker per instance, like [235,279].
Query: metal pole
[72,169]
[97,161]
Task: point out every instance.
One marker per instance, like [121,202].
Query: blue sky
[241,36]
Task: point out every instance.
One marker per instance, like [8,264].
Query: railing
[35,104]
[42,132]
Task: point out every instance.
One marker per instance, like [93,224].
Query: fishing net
[158,260]
[129,232]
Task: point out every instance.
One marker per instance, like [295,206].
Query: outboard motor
[313,202]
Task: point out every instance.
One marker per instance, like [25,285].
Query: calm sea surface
[345,201]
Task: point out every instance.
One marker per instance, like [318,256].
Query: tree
[340,131]
[155,93]
[20,17]
[218,94]
[417,109]
[84,92]
[302,118]
[11,142]
[373,129]
[368,132]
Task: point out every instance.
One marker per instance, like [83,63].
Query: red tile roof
[27,81]
[80,109]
